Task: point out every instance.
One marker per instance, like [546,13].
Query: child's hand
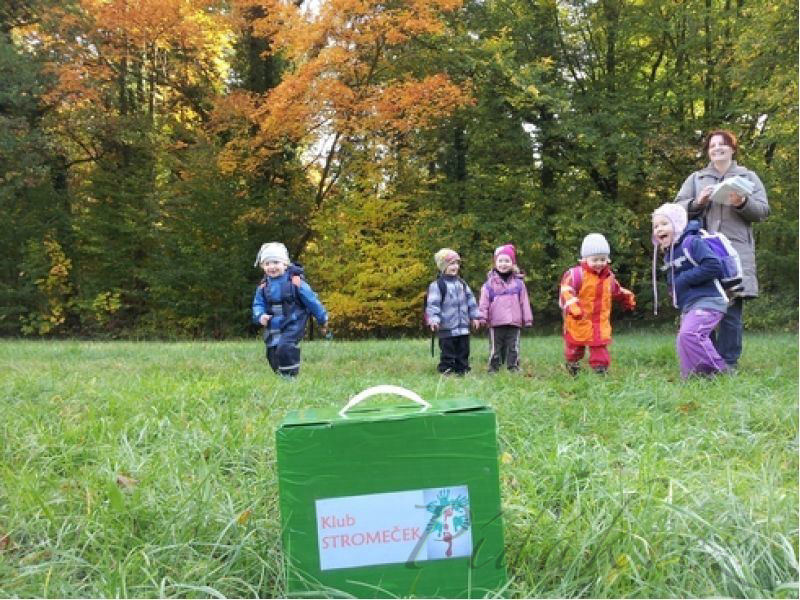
[264,319]
[296,280]
[629,299]
[476,324]
[575,310]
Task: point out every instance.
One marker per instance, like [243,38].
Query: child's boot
[601,370]
[573,368]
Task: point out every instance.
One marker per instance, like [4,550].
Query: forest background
[148,147]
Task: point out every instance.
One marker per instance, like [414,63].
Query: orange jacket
[587,311]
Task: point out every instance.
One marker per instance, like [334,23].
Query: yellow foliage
[370,260]
[54,288]
[105,305]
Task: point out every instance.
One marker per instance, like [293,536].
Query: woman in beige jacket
[734,216]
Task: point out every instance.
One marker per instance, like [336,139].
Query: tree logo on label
[450,518]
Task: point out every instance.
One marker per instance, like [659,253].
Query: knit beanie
[676,215]
[508,250]
[445,257]
[272,251]
[594,243]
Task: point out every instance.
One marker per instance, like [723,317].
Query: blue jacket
[288,306]
[687,282]
[459,307]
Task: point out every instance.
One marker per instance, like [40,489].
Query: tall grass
[148,469]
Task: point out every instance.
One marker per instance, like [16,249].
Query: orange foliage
[95,44]
[413,104]
[343,82]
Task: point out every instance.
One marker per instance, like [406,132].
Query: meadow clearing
[145,469]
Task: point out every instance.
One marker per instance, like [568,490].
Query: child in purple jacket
[505,308]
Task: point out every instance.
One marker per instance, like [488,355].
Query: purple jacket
[505,303]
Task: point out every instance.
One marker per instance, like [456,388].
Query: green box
[400,501]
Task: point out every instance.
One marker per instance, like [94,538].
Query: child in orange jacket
[585,297]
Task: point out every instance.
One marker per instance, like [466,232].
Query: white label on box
[394,527]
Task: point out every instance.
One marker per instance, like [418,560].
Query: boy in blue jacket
[450,309]
[281,304]
[693,272]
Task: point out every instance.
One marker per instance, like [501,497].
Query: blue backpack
[290,296]
[732,278]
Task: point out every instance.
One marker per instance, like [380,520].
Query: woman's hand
[264,319]
[735,199]
[704,197]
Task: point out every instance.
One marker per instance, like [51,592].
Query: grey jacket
[454,314]
[735,223]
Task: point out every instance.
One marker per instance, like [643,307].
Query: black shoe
[601,370]
[573,368]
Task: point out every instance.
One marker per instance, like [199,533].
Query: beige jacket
[735,223]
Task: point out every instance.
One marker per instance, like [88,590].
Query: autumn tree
[346,93]
[350,98]
[132,79]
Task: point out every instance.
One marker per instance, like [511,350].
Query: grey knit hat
[594,243]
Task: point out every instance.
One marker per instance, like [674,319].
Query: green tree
[133,81]
[33,203]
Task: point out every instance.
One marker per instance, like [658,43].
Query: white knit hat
[274,251]
[594,243]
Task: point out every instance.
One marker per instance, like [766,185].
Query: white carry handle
[384,389]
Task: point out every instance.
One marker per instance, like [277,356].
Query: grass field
[148,469]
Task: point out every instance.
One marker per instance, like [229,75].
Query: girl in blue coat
[282,303]
[693,272]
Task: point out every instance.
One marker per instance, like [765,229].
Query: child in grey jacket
[450,310]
